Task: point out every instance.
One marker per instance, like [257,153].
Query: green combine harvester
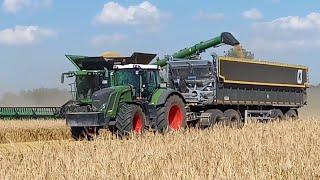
[87,80]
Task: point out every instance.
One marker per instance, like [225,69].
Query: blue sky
[36,34]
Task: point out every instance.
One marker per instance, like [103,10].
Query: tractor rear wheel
[232,119]
[172,116]
[130,119]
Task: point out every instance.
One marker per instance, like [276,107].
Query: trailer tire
[217,116]
[130,119]
[291,114]
[232,119]
[171,116]
[277,115]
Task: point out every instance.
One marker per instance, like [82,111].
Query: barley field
[12,131]
[278,150]
[38,149]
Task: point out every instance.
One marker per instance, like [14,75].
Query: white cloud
[285,34]
[22,35]
[143,13]
[310,22]
[208,16]
[108,39]
[13,6]
[252,14]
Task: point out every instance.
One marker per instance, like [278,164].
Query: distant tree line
[36,97]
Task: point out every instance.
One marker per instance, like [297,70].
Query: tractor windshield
[127,77]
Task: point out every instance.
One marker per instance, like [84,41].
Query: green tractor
[128,97]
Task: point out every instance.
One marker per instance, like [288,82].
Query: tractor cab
[144,79]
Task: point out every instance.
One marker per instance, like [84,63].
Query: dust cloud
[313,107]
[36,97]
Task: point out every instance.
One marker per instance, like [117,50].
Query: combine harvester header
[30,112]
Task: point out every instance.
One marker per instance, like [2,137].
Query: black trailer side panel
[238,71]
[251,82]
[236,94]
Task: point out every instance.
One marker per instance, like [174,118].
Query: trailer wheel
[291,114]
[84,133]
[277,114]
[216,117]
[172,116]
[130,118]
[232,119]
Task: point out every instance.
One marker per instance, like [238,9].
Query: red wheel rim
[137,123]
[175,117]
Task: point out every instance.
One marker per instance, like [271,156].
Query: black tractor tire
[84,133]
[130,119]
[171,116]
[292,114]
[277,115]
[76,133]
[232,119]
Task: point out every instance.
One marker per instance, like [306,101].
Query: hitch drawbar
[80,119]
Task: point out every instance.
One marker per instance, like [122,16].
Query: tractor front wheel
[171,116]
[130,118]
[84,133]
